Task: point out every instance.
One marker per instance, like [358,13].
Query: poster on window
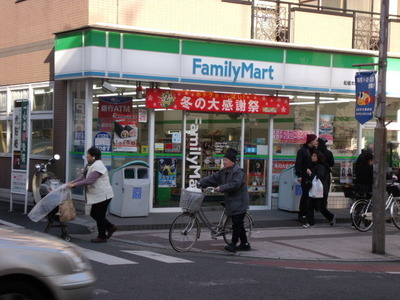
[167,172]
[346,172]
[125,133]
[326,128]
[79,112]
[256,175]
[109,107]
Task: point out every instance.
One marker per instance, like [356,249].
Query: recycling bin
[131,185]
[289,191]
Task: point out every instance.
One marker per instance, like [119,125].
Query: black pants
[239,232]
[304,199]
[98,213]
[320,205]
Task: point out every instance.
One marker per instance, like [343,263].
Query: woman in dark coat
[322,170]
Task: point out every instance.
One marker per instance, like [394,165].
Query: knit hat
[310,138]
[322,140]
[231,154]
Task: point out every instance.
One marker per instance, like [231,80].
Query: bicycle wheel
[361,215]
[227,228]
[184,232]
[395,212]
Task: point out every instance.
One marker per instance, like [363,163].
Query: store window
[42,99]
[256,154]
[41,117]
[339,126]
[168,138]
[42,137]
[42,121]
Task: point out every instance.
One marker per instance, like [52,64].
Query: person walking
[330,160]
[365,174]
[231,180]
[303,162]
[98,193]
[321,170]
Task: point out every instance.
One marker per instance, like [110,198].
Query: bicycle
[185,229]
[361,210]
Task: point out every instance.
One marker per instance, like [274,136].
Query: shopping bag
[317,189]
[67,211]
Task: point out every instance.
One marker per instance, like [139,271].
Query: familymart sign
[108,54]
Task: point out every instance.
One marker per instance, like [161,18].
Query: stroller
[43,183]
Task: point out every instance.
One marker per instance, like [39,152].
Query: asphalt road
[127,270]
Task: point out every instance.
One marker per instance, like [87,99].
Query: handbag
[67,211]
[317,189]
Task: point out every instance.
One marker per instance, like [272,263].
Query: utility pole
[379,187]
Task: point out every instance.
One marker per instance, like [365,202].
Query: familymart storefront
[177,102]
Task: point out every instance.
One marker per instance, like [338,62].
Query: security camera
[109,87]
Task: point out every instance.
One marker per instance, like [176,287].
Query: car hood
[25,238]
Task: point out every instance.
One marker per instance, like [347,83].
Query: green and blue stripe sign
[97,53]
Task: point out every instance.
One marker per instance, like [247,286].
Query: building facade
[91,69]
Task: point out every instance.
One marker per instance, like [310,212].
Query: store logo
[232,69]
[194,154]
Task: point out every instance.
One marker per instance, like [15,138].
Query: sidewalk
[276,235]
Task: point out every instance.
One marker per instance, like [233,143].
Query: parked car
[37,266]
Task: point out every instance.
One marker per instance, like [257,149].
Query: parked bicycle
[185,229]
[361,210]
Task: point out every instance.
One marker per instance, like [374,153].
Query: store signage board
[20,150]
[365,96]
[216,102]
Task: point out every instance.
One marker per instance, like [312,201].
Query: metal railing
[272,22]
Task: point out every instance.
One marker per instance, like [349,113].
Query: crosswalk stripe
[106,258]
[159,257]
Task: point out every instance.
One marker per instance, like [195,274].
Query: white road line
[10,224]
[106,258]
[159,257]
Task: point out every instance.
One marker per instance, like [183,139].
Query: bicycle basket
[191,201]
[394,189]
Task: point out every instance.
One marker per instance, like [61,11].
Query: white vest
[101,189]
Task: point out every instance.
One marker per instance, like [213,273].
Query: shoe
[307,225]
[98,240]
[231,248]
[333,221]
[243,247]
[111,231]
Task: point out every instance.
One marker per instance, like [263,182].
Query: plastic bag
[49,202]
[317,189]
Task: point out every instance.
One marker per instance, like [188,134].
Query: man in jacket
[330,161]
[303,162]
[231,180]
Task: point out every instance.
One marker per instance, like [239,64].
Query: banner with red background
[216,102]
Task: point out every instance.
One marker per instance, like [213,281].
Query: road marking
[10,224]
[159,257]
[106,258]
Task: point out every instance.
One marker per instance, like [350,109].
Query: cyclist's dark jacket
[232,183]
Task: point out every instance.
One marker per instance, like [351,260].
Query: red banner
[216,102]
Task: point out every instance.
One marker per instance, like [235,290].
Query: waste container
[131,185]
[289,190]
